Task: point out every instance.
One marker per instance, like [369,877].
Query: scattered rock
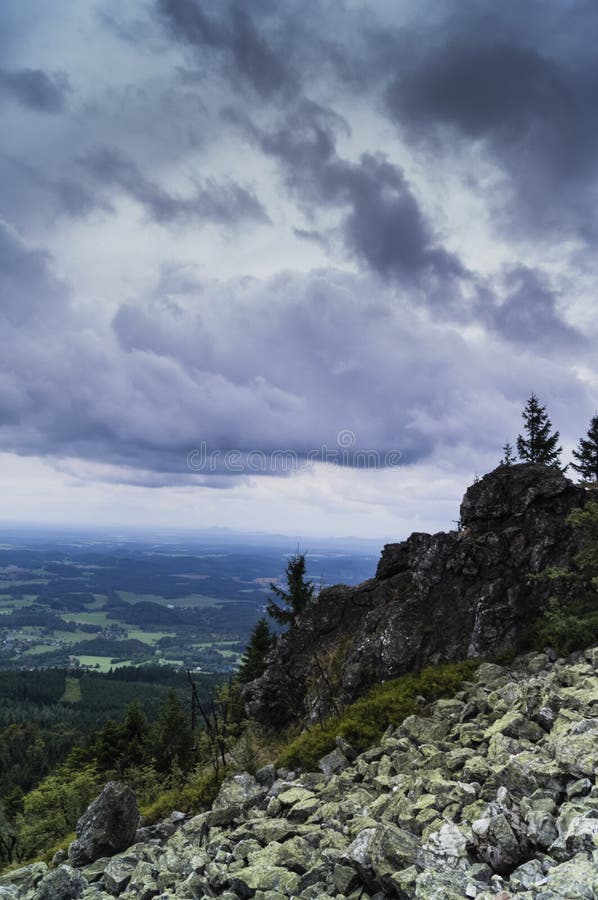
[333,762]
[464,803]
[63,883]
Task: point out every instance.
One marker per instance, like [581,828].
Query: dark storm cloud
[254,57]
[226,203]
[515,81]
[382,224]
[35,89]
[523,96]
[385,226]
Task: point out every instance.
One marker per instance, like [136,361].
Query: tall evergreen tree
[173,738]
[540,446]
[253,661]
[587,453]
[298,596]
[135,735]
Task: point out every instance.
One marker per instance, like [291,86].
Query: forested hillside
[60,734]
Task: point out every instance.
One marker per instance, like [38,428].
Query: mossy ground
[364,722]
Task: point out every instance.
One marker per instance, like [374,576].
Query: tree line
[540,444]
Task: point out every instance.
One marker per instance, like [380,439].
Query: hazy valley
[94,602]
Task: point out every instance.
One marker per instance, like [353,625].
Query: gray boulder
[23,879]
[108,826]
[64,883]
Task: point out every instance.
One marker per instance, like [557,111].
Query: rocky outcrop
[491,794]
[108,825]
[435,598]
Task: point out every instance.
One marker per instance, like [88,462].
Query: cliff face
[435,598]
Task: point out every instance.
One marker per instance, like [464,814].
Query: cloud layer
[263,225]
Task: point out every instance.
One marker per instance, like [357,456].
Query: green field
[197,600]
[98,602]
[19,582]
[96,617]
[104,663]
[149,637]
[38,648]
[213,645]
[26,600]
[72,690]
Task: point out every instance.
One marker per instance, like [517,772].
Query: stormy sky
[290,266]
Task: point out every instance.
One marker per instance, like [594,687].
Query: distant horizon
[157,533]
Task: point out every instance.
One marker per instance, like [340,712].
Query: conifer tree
[587,453]
[173,738]
[135,732]
[253,661]
[297,598]
[508,455]
[540,446]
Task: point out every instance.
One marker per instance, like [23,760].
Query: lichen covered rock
[107,826]
[437,811]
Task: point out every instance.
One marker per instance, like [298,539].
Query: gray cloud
[248,365]
[226,203]
[528,313]
[35,89]
[260,60]
[30,293]
[76,199]
[382,224]
[516,81]
[503,81]
[136,30]
[26,184]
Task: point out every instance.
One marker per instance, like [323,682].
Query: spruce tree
[135,732]
[587,453]
[540,446]
[508,455]
[253,661]
[298,596]
[173,742]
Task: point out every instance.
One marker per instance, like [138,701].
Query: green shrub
[364,722]
[570,619]
[193,796]
[53,808]
[567,626]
